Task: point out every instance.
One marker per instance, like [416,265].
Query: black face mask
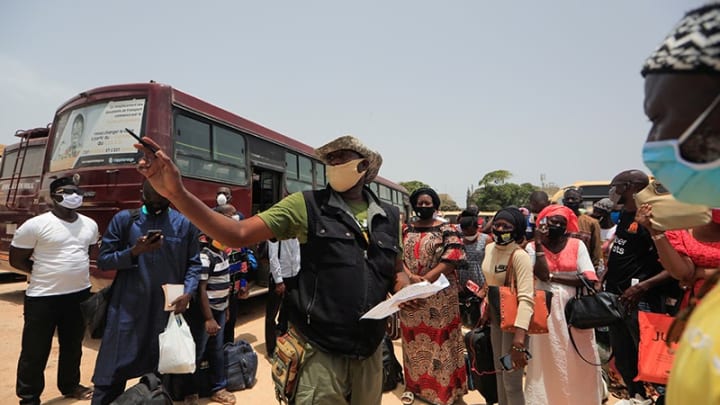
[555,231]
[502,238]
[573,206]
[156,209]
[424,212]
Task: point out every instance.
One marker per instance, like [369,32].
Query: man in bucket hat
[350,260]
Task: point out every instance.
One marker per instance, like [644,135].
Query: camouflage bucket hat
[349,142]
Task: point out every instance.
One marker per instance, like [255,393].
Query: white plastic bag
[177,347]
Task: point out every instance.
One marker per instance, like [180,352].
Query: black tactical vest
[343,275]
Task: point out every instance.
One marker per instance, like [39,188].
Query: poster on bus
[95,135]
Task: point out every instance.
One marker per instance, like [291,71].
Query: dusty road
[250,326]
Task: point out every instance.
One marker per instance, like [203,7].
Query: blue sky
[446,91]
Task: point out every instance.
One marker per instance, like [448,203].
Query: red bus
[20,176]
[211,146]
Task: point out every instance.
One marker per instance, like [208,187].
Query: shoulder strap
[134,214]
[510,272]
[572,340]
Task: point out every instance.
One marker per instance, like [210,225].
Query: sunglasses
[677,327]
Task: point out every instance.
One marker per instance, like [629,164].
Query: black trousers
[273,306]
[229,332]
[43,316]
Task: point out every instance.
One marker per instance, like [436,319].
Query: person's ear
[363,165]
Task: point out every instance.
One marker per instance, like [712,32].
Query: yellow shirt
[494,268]
[695,376]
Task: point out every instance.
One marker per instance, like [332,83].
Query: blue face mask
[694,183]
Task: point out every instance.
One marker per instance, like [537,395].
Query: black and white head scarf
[692,47]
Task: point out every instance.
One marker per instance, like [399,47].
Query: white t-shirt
[60,253]
[606,234]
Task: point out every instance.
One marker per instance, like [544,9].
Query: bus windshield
[94,135]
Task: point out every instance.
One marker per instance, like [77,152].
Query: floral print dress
[432,342]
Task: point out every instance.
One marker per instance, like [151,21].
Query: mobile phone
[507,363]
[472,286]
[143,143]
[153,234]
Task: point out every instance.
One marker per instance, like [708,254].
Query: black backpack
[149,391]
[392,370]
[241,363]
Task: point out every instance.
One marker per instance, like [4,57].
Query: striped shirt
[215,270]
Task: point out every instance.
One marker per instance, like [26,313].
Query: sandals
[80,393]
[407,398]
[223,396]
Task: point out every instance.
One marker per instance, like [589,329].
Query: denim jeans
[208,348]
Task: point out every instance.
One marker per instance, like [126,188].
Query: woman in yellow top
[508,228]
[682,100]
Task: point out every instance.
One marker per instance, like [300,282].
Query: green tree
[497,177]
[495,192]
[413,185]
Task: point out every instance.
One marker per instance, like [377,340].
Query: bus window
[319,175]
[229,156]
[385,194]
[298,173]
[192,137]
[94,135]
[8,164]
[374,187]
[305,169]
[291,166]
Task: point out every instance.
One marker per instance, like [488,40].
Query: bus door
[266,188]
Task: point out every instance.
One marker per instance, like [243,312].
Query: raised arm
[165,178]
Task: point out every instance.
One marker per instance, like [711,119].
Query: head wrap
[573,191]
[692,47]
[605,204]
[428,191]
[559,210]
[61,182]
[514,217]
[349,142]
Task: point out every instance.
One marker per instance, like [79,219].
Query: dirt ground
[250,326]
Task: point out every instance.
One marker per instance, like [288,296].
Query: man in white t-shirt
[54,249]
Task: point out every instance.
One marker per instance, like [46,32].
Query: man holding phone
[149,247]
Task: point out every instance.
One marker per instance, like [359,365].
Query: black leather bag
[470,311]
[149,391]
[481,367]
[94,312]
[590,309]
[392,370]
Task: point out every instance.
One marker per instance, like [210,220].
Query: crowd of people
[339,251]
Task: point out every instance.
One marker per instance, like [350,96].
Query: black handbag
[593,309]
[94,312]
[481,366]
[470,311]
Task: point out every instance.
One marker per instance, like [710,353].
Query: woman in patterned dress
[433,349]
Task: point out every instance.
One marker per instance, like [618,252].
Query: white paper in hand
[411,292]
[172,291]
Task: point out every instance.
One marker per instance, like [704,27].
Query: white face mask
[471,238]
[71,201]
[221,199]
[343,177]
